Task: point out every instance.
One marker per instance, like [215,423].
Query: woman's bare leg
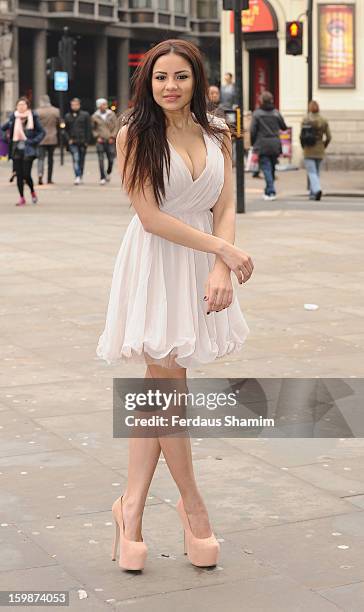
[178,456]
[143,458]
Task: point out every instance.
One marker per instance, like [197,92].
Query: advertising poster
[336,45]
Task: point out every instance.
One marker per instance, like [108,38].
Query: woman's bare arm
[160,223]
[166,226]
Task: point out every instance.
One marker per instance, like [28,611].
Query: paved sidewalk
[289,513]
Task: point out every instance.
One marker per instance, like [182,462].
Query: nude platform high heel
[132,554]
[202,552]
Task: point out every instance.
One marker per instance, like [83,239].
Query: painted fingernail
[208,312]
[205,298]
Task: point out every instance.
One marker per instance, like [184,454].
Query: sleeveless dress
[156,312]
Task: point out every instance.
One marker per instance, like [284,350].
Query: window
[207,9]
[140,4]
[179,6]
[163,4]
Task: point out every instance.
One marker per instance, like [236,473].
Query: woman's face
[172,82]
[22,106]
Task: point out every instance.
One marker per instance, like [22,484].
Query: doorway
[263,75]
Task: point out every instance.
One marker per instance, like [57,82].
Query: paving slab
[17,551]
[347,597]
[245,493]
[53,578]
[273,593]
[57,398]
[21,435]
[43,485]
[342,477]
[292,452]
[318,553]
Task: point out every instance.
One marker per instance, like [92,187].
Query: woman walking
[315,138]
[172,304]
[26,132]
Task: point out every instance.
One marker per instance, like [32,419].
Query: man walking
[104,128]
[266,124]
[50,119]
[228,93]
[78,133]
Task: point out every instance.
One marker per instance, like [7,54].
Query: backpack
[308,136]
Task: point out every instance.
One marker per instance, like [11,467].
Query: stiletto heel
[115,542]
[132,554]
[202,552]
[184,543]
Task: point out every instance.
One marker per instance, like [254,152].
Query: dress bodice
[184,195]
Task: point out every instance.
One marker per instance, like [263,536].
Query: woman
[171,302]
[315,138]
[26,132]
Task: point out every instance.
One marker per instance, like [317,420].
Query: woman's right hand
[237,260]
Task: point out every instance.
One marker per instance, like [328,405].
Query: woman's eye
[180,76]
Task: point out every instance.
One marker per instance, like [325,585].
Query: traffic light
[235,5]
[294,38]
[67,53]
[52,65]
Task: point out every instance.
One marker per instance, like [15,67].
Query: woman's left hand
[218,289]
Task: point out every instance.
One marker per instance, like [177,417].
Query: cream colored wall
[293,70]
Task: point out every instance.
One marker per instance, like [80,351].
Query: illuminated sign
[259,17]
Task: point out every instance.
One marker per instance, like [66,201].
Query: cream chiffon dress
[156,312]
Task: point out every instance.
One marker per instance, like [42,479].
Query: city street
[289,513]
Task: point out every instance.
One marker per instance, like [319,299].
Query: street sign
[61,81]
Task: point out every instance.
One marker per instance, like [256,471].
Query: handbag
[252,161]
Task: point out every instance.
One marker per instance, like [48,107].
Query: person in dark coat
[78,134]
[25,134]
[266,124]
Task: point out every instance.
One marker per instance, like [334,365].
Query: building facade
[111,36]
[338,68]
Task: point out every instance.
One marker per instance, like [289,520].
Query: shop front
[260,26]
[338,66]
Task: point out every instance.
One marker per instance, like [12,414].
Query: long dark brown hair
[146,135]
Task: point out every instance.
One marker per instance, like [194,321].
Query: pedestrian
[78,135]
[172,303]
[50,119]
[315,138]
[228,93]
[214,103]
[25,133]
[104,128]
[265,128]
